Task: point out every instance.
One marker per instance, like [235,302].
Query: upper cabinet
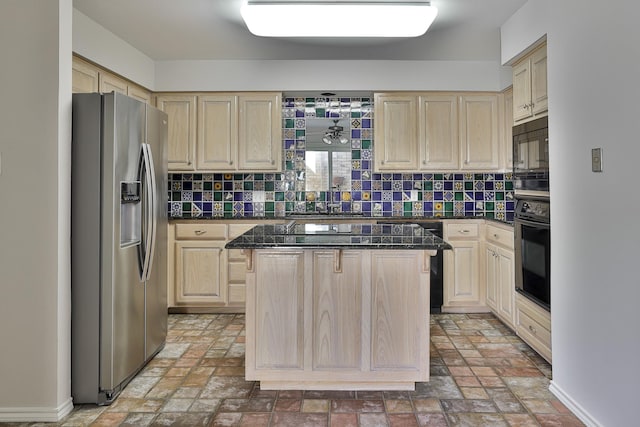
[219,132]
[455,132]
[89,78]
[395,132]
[530,86]
[181,112]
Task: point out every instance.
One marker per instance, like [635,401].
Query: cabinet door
[507,129]
[200,273]
[277,311]
[522,90]
[539,81]
[396,132]
[181,112]
[480,141]
[462,275]
[139,93]
[217,133]
[85,77]
[439,132]
[337,310]
[259,132]
[399,289]
[492,276]
[111,83]
[506,280]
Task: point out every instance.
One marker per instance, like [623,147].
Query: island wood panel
[400,338]
[337,308]
[278,309]
[336,354]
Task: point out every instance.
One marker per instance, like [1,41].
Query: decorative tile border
[372,194]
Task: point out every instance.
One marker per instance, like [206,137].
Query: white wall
[593,71]
[101,46]
[35,138]
[594,67]
[328,75]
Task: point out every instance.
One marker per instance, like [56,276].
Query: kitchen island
[337,306]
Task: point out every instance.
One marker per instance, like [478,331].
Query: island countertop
[339,236]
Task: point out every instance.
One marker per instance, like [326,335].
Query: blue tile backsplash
[227,195]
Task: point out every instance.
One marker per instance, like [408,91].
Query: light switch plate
[596,159]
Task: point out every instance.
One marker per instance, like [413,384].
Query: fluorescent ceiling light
[337,18]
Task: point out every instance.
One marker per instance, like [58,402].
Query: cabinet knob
[200,232]
[495,236]
[424,162]
[382,162]
[532,329]
[464,231]
[273,162]
[231,162]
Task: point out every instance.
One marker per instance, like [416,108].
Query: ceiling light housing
[317,18]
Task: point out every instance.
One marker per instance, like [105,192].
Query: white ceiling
[213,29]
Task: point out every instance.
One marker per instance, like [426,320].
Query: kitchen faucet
[332,206]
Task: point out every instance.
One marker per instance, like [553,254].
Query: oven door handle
[517,221]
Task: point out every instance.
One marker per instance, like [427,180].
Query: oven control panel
[533,209]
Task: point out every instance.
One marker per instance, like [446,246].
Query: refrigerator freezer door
[156,286]
[122,293]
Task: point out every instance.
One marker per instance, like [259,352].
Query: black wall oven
[533,250]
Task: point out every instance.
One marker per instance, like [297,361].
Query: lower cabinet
[463,282]
[533,325]
[499,273]
[334,319]
[203,276]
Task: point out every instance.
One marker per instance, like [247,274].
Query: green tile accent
[355,154]
[248,185]
[427,185]
[468,185]
[208,185]
[228,206]
[268,185]
[366,144]
[217,196]
[300,133]
[459,195]
[279,196]
[320,112]
[289,123]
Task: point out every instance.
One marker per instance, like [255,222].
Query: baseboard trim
[36,414]
[574,407]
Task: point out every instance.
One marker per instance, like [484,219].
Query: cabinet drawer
[201,231]
[499,236]
[462,231]
[533,324]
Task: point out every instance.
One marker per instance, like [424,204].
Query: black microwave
[531,156]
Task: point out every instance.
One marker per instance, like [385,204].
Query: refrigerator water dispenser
[130,214]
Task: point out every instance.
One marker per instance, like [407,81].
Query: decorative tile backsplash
[372,194]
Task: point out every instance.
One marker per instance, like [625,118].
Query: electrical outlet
[596,159]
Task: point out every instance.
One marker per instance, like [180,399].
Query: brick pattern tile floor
[482,374]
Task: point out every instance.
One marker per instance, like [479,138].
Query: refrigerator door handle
[153,192]
[145,175]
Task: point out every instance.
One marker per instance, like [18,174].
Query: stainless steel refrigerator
[118,242]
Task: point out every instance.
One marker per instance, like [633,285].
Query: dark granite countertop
[338,236]
[319,217]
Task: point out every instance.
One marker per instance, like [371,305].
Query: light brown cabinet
[499,272]
[87,78]
[455,132]
[533,325]
[463,283]
[337,319]
[220,132]
[530,86]
[203,276]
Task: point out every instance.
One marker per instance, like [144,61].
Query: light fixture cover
[337,19]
